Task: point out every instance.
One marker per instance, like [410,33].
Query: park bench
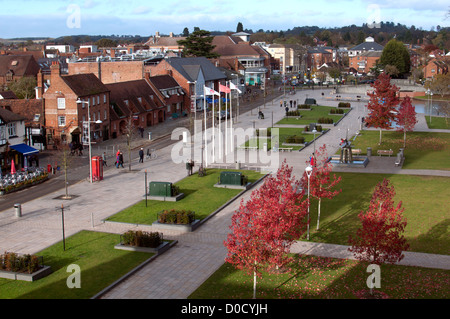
[356,151]
[248,148]
[285,149]
[385,152]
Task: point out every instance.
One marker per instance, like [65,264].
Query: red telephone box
[97,168]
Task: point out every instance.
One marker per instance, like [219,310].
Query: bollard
[18,210]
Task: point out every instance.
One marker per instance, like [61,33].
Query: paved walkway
[179,271]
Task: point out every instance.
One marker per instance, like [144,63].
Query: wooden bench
[285,149]
[356,151]
[248,148]
[385,152]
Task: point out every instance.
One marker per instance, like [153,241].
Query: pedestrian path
[180,270]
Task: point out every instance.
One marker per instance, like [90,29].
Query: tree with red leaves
[380,239]
[406,117]
[264,227]
[382,103]
[321,181]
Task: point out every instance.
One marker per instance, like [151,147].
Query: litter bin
[18,210]
[238,165]
[150,136]
[369,151]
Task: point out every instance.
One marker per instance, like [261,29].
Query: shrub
[269,132]
[344,104]
[336,111]
[293,113]
[325,120]
[142,239]
[10,261]
[303,106]
[294,139]
[181,217]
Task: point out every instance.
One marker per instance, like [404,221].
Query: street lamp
[89,134]
[308,173]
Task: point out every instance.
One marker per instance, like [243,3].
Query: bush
[142,239]
[303,106]
[293,113]
[336,111]
[13,262]
[344,104]
[325,120]
[294,139]
[180,217]
[269,132]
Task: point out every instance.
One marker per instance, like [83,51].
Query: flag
[223,88]
[234,87]
[209,91]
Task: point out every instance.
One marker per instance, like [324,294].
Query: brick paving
[179,271]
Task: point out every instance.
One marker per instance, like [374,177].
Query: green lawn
[438,122]
[424,198]
[326,278]
[424,150]
[313,115]
[99,262]
[200,196]
[284,133]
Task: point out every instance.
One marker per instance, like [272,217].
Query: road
[78,171]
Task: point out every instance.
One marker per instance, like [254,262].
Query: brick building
[363,62]
[15,67]
[64,117]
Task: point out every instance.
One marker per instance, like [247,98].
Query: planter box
[158,250]
[247,186]
[180,227]
[41,273]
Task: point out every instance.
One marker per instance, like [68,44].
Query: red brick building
[15,67]
[64,117]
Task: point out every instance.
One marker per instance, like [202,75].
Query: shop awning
[24,149]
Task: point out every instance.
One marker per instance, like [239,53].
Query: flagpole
[220,131]
[231,119]
[205,143]
[226,125]
[213,134]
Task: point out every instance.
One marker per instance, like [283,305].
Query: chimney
[171,34]
[157,34]
[40,86]
[55,69]
[113,53]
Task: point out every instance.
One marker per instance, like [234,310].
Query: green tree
[396,54]
[240,27]
[24,88]
[106,43]
[199,44]
[186,32]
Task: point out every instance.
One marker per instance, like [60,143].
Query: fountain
[346,158]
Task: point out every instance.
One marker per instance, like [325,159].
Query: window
[106,115]
[61,103]
[11,129]
[99,115]
[168,108]
[104,98]
[61,121]
[98,99]
[93,100]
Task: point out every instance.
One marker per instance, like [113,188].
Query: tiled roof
[8,116]
[187,66]
[164,82]
[85,84]
[20,65]
[368,46]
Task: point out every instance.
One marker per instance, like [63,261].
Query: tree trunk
[404,139]
[318,215]
[379,143]
[254,284]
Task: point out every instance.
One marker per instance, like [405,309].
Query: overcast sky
[54,18]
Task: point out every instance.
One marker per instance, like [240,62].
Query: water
[423,107]
[354,162]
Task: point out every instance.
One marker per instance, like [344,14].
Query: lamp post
[308,173]
[431,105]
[89,134]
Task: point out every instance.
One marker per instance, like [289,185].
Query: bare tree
[130,132]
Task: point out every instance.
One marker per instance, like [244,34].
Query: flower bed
[150,242]
[9,188]
[179,217]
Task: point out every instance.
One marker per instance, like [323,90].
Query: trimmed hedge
[303,106]
[294,139]
[142,239]
[336,111]
[325,120]
[293,113]
[19,263]
[180,217]
[344,104]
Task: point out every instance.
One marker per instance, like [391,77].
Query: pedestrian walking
[121,159]
[141,155]
[104,159]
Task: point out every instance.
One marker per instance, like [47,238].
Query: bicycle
[151,154]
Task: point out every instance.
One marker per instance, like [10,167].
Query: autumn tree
[406,117]
[264,227]
[321,182]
[382,103]
[380,238]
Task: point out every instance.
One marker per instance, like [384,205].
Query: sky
[54,18]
